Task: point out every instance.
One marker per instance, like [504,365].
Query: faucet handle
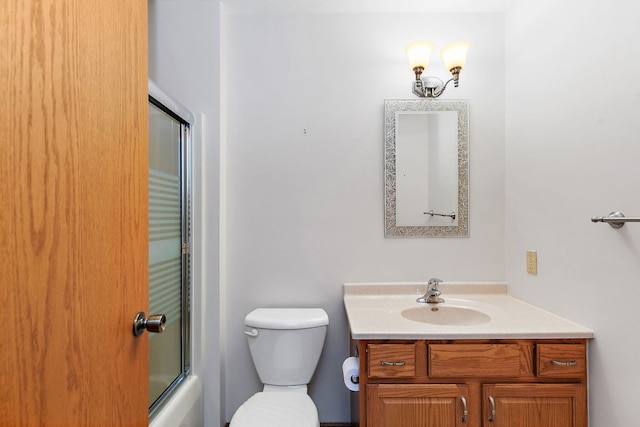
[433,284]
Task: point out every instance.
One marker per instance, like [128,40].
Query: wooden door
[73,215]
[535,405]
[416,405]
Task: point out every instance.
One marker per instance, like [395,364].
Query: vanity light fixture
[454,56]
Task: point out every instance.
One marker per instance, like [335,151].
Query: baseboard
[322,425]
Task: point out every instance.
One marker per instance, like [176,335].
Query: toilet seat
[277,409]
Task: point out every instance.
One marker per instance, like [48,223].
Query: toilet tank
[286,343]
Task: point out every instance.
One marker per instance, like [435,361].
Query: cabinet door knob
[492,417]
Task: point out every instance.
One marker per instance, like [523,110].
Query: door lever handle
[155,323]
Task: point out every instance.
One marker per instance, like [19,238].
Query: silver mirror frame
[391,108]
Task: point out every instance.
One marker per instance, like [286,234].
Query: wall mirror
[426,157]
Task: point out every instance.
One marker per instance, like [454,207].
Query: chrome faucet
[433,294]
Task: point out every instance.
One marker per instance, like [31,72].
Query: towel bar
[615,219]
[451,215]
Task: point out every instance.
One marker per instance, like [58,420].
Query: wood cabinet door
[416,405]
[73,212]
[534,405]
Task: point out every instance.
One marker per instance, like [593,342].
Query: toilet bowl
[285,345]
[276,409]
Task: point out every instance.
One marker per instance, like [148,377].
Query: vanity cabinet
[472,383]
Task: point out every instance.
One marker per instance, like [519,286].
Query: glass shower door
[168,250]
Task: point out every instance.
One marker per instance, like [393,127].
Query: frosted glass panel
[165,249]
[165,246]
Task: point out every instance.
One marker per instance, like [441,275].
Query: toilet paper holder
[351,373]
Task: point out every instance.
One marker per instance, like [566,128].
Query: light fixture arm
[433,87]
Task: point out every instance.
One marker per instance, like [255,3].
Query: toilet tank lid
[287,318]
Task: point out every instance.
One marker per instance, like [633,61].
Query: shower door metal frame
[186,119]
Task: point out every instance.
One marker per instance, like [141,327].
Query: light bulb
[419,53]
[455,54]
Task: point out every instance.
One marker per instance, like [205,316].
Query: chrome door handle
[155,323]
[465,413]
[572,362]
[399,363]
[492,417]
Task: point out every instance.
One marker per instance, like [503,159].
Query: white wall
[184,60]
[573,152]
[305,170]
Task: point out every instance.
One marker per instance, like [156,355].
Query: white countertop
[373,311]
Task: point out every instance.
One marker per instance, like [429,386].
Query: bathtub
[184,408]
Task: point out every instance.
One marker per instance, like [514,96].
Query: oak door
[417,405]
[73,212]
[535,405]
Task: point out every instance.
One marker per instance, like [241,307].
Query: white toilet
[285,345]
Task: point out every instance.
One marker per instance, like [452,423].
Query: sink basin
[445,315]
